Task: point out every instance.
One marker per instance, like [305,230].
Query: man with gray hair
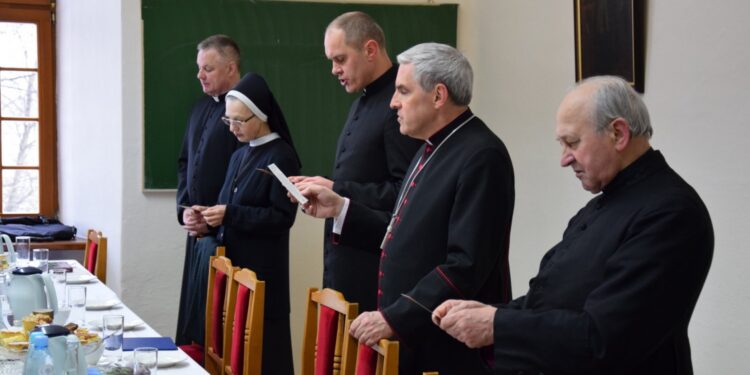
[447,236]
[615,296]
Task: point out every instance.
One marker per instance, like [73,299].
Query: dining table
[101,301]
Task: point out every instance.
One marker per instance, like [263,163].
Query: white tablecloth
[98,292]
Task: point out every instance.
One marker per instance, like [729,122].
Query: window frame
[41,13]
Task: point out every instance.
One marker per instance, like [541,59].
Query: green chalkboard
[283,41]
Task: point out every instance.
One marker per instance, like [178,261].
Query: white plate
[129,324]
[167,358]
[102,305]
[170,358]
[80,279]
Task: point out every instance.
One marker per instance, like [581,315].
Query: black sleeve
[182,193]
[651,280]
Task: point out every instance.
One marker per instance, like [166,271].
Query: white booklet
[287,184]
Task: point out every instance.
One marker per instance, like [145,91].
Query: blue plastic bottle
[39,361]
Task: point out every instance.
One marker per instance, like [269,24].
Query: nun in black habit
[253,212]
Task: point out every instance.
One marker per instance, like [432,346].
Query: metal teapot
[30,290]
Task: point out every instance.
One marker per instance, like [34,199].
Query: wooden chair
[327,347]
[219,274]
[243,333]
[380,359]
[95,255]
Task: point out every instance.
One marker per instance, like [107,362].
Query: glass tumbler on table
[60,277]
[77,303]
[145,361]
[112,328]
[23,250]
[41,259]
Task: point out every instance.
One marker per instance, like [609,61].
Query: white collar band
[264,139]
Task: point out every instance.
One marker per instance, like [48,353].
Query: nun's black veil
[259,98]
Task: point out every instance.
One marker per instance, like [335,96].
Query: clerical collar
[440,135]
[264,139]
[641,166]
[385,80]
[218,98]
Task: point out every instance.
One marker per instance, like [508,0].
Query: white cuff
[338,221]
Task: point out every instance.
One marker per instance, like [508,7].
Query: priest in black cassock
[202,164]
[448,233]
[371,154]
[253,213]
[615,296]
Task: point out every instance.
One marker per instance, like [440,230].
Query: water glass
[23,250]
[77,303]
[60,277]
[145,361]
[112,327]
[41,259]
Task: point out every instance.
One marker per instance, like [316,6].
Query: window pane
[20,191]
[19,45]
[20,94]
[20,143]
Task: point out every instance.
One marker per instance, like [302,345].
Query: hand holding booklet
[287,184]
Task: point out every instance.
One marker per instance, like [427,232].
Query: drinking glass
[23,248]
[145,361]
[60,277]
[77,302]
[112,327]
[41,259]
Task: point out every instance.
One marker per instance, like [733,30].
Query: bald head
[612,97]
[602,126]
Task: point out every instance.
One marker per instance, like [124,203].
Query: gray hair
[440,63]
[224,45]
[615,98]
[358,28]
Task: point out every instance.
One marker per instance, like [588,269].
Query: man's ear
[620,133]
[233,67]
[371,49]
[440,93]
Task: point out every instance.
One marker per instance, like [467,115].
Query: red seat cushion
[91,263]
[195,352]
[217,310]
[367,360]
[326,343]
[238,330]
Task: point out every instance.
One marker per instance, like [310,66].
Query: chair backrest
[243,333]
[380,359]
[327,347]
[219,275]
[95,255]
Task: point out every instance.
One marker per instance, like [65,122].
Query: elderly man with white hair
[616,294]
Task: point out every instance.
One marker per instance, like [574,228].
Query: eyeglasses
[234,122]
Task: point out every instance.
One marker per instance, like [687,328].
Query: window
[28,165]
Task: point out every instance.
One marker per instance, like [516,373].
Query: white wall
[522,53]
[696,82]
[90,121]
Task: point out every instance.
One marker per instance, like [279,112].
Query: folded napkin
[161,343]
